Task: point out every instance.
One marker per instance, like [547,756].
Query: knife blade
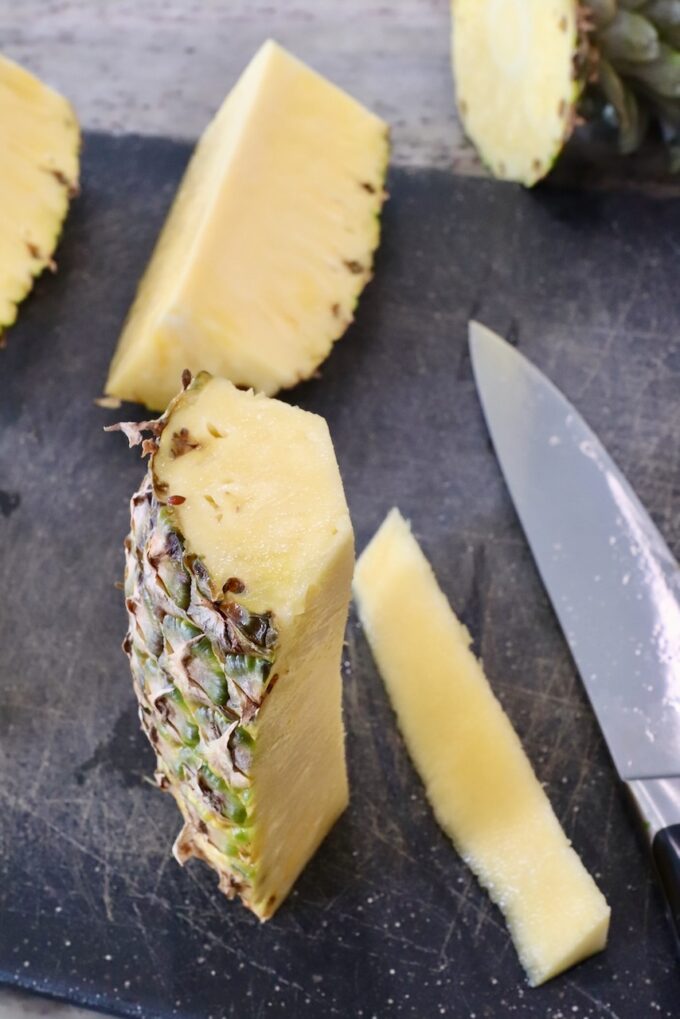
[611,578]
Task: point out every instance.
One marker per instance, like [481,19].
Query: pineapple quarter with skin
[480,783]
[40,144]
[269,242]
[238,572]
[527,71]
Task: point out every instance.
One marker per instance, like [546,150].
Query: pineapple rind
[202,732]
[201,668]
[40,139]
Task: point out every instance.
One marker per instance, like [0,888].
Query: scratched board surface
[385,920]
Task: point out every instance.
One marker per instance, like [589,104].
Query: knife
[611,578]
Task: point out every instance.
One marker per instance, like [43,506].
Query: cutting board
[385,920]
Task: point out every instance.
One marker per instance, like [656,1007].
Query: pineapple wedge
[237,582]
[40,142]
[269,243]
[478,779]
[527,72]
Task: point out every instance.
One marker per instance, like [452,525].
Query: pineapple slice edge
[41,143]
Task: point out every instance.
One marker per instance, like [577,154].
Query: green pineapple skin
[201,666]
[636,68]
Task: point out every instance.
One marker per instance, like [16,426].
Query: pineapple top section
[516,83]
[40,142]
[255,491]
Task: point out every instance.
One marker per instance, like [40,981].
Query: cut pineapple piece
[238,571]
[269,243]
[479,781]
[516,88]
[40,143]
[527,71]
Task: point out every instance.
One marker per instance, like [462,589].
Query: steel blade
[611,578]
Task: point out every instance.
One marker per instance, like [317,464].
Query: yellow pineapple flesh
[477,777]
[269,243]
[40,144]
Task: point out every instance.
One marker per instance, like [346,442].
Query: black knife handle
[666,853]
[657,805]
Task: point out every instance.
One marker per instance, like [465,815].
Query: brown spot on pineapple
[72,187]
[271,901]
[181,443]
[234,586]
[149,446]
[354,267]
[186,378]
[563,23]
[336,310]
[153,735]
[202,827]
[35,252]
[536,165]
[562,108]
[162,781]
[270,685]
[367,186]
[176,500]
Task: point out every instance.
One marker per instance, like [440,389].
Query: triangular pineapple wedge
[238,570]
[269,242]
[40,144]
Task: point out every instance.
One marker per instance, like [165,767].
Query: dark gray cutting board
[385,920]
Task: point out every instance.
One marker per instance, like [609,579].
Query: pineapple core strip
[478,779]
[39,164]
[269,242]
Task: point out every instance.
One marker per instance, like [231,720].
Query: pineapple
[478,779]
[269,242]
[237,581]
[40,142]
[527,71]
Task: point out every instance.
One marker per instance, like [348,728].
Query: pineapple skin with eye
[237,583]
